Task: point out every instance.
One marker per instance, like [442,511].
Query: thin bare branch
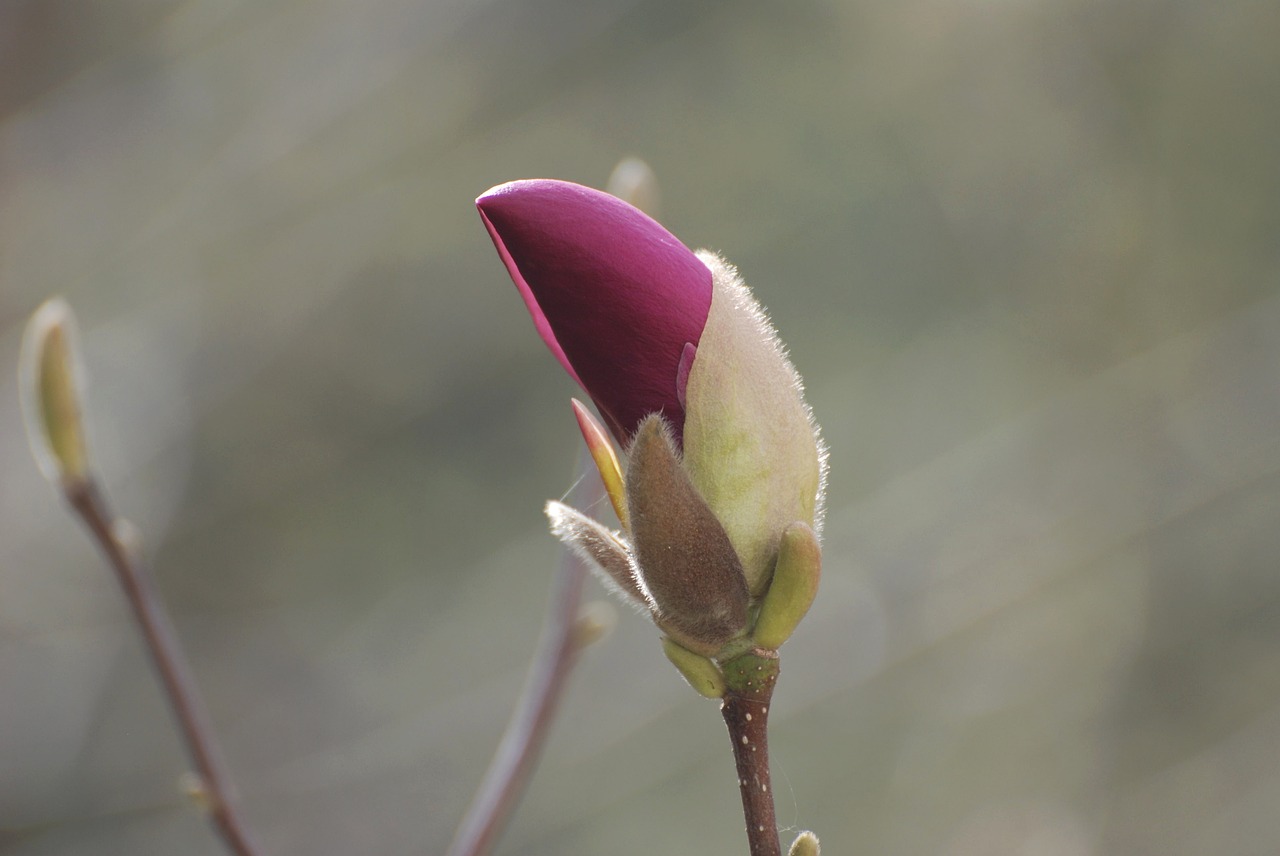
[518,752]
[216,791]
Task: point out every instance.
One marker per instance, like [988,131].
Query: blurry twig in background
[51,397]
[216,793]
[565,634]
[635,182]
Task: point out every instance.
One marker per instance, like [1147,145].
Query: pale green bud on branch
[51,394]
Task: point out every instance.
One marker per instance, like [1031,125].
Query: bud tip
[806,844]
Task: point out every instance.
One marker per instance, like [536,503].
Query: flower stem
[751,678]
[175,673]
[517,754]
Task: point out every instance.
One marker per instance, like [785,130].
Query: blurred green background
[1026,254]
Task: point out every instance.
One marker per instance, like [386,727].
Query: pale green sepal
[702,674]
[806,844]
[791,593]
[750,443]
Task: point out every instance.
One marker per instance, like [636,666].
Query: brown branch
[175,673]
[751,678]
[522,742]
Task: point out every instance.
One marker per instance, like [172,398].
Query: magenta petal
[682,371]
[615,296]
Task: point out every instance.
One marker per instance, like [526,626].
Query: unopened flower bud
[806,844]
[691,379]
[51,394]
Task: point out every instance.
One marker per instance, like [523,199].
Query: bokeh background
[1025,252]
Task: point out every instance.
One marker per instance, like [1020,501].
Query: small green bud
[195,790]
[795,582]
[701,673]
[50,381]
[806,844]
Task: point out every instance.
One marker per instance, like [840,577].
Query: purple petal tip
[615,296]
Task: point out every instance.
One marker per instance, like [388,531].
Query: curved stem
[522,741]
[751,678]
[175,672]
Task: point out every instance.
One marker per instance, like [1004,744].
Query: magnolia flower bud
[725,468]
